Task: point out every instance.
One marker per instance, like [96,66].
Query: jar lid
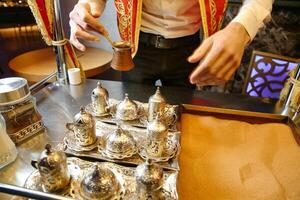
[13,90]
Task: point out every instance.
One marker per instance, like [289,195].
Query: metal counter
[58,104]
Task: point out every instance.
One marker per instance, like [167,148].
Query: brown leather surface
[229,159]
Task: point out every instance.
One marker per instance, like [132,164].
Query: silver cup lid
[99,183]
[120,142]
[157,97]
[13,90]
[100,91]
[149,175]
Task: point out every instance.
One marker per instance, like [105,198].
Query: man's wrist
[238,27]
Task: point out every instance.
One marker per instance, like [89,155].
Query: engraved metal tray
[170,115]
[169,160]
[124,175]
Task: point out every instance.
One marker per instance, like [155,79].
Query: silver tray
[125,176]
[168,161]
[170,116]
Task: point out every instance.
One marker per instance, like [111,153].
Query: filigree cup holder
[149,180]
[52,169]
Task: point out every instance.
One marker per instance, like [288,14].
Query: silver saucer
[89,108]
[76,192]
[33,182]
[112,155]
[118,144]
[70,142]
[170,151]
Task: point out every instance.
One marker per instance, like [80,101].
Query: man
[165,37]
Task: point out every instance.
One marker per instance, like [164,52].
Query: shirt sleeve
[253,14]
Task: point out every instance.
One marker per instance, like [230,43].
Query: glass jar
[8,151]
[18,109]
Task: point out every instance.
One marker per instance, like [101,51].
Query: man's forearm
[253,14]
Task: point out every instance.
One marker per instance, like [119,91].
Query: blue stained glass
[253,73]
[258,58]
[266,92]
[264,67]
[276,78]
[279,69]
[259,88]
[249,88]
[274,95]
[276,86]
[268,76]
[281,62]
[258,81]
[253,94]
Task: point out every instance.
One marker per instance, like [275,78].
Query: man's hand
[84,20]
[219,55]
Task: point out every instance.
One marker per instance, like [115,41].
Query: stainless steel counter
[58,104]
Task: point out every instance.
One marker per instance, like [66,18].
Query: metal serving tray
[241,115]
[168,161]
[125,175]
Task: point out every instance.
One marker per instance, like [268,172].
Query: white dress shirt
[171,18]
[178,18]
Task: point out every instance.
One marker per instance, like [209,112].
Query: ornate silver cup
[127,110]
[156,104]
[157,133]
[83,128]
[53,169]
[99,99]
[149,179]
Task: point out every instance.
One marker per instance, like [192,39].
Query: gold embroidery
[213,12]
[38,18]
[123,24]
[204,18]
[215,23]
[138,25]
[70,62]
[50,12]
[130,27]
[121,11]
[222,17]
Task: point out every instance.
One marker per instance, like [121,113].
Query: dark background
[19,34]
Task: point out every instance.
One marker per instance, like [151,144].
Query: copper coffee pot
[122,59]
